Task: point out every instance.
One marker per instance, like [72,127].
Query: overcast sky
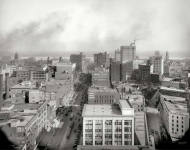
[44,27]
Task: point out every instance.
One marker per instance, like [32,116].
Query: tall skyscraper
[167,56]
[128,53]
[144,71]
[117,55]
[80,60]
[158,65]
[117,71]
[16,56]
[102,59]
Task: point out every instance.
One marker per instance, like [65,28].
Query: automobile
[152,131]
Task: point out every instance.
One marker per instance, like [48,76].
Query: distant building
[167,57]
[38,74]
[103,96]
[108,124]
[175,116]
[117,55]
[6,59]
[173,92]
[145,71]
[137,102]
[16,58]
[21,88]
[117,72]
[155,78]
[173,82]
[79,60]
[23,74]
[100,79]
[36,95]
[102,59]
[128,53]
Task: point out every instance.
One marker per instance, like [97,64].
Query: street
[59,140]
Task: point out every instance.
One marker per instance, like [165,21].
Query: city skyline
[64,27]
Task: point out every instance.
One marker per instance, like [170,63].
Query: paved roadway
[67,144]
[153,121]
[59,140]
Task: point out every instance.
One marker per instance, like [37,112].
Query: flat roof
[134,98]
[125,104]
[140,129]
[172,89]
[25,84]
[176,107]
[108,147]
[173,98]
[93,89]
[101,110]
[55,82]
[30,106]
[25,120]
[167,79]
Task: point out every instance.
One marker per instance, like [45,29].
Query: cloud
[36,36]
[94,26]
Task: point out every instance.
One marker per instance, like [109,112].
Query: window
[182,118]
[181,130]
[182,126]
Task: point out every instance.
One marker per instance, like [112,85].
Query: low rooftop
[101,110]
[176,107]
[112,147]
[173,98]
[25,85]
[134,98]
[140,129]
[172,89]
[125,104]
[29,106]
[25,120]
[94,89]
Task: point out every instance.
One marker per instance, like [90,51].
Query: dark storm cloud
[35,36]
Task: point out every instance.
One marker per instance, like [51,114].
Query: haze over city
[61,27]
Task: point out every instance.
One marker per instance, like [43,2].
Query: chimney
[7,85]
[1,90]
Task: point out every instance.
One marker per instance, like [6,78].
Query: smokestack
[7,85]
[1,90]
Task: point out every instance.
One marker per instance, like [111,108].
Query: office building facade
[102,59]
[144,71]
[128,53]
[117,55]
[79,60]
[103,96]
[108,125]
[117,72]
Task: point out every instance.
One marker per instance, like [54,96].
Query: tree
[20,81]
[91,67]
[27,97]
[130,91]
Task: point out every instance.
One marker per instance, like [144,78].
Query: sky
[62,27]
